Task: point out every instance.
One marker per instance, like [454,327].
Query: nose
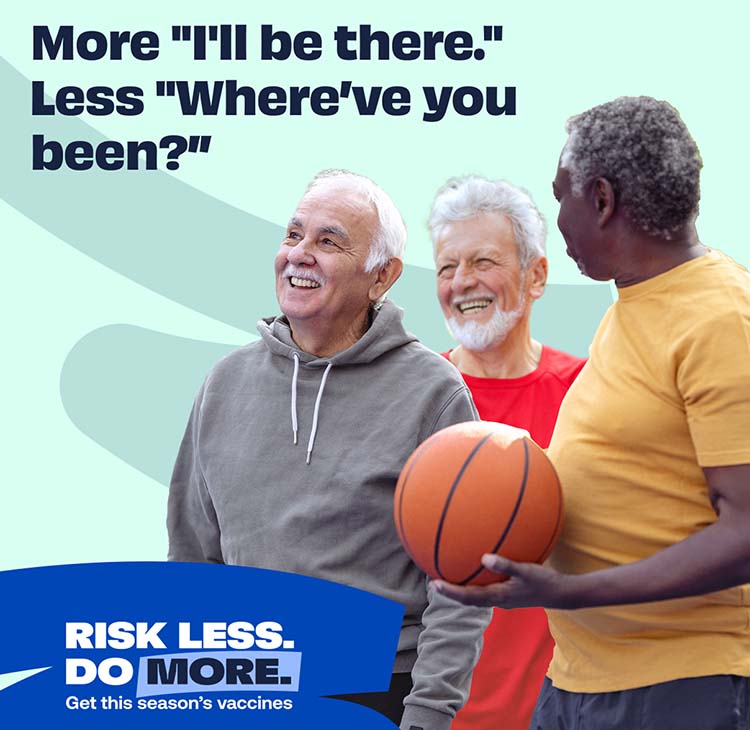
[301,254]
[463,278]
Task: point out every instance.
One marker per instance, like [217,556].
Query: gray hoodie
[289,462]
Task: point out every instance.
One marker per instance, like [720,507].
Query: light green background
[65,498]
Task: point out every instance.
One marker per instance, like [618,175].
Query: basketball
[476,488]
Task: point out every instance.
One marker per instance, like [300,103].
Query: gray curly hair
[642,146]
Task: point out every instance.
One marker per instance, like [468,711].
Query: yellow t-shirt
[665,392]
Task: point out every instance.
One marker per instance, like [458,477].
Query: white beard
[484,335]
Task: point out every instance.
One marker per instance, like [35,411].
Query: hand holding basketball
[528,585]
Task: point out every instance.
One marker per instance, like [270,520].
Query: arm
[712,559]
[192,525]
[451,640]
[447,651]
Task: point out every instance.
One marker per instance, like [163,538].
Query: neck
[324,340]
[517,355]
[648,256]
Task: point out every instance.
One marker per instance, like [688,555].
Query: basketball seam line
[453,488]
[513,516]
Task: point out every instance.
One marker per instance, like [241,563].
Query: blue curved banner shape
[127,645]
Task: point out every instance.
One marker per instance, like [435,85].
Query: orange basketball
[477,488]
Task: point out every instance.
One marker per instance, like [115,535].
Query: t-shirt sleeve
[713,376]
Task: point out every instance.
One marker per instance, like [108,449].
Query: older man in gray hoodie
[295,441]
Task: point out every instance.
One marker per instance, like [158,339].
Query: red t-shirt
[517,644]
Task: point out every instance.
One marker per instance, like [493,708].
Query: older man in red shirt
[491,266]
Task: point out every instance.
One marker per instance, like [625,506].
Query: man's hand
[528,585]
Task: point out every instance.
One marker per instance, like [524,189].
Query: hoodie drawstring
[294,396]
[311,442]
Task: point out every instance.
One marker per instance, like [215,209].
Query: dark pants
[719,702]
[390,703]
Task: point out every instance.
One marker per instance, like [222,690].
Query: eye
[329,243]
[484,263]
[293,236]
[446,270]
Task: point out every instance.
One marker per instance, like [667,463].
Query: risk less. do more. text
[124,636]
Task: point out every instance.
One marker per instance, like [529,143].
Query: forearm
[715,558]
[448,648]
[712,559]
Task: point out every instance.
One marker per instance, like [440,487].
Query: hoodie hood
[385,333]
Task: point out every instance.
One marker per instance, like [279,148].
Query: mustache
[290,270]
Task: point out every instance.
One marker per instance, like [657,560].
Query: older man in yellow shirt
[650,607]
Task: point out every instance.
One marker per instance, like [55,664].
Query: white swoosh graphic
[10,678]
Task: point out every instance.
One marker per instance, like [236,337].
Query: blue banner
[189,645]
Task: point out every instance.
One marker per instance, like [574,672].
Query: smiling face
[321,284]
[481,284]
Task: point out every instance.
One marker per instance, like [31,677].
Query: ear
[605,200]
[536,278]
[386,278]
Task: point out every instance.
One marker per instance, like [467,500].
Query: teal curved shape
[130,389]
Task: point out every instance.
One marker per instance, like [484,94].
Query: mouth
[473,306]
[300,283]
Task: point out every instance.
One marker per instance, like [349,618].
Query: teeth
[474,305]
[307,283]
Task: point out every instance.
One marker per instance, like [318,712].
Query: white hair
[465,197]
[390,238]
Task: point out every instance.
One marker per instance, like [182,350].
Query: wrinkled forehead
[487,231]
[340,200]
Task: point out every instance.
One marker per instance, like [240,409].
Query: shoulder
[731,285]
[718,262]
[562,365]
[714,308]
[429,365]
[446,388]
[430,384]
[237,363]
[707,287]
